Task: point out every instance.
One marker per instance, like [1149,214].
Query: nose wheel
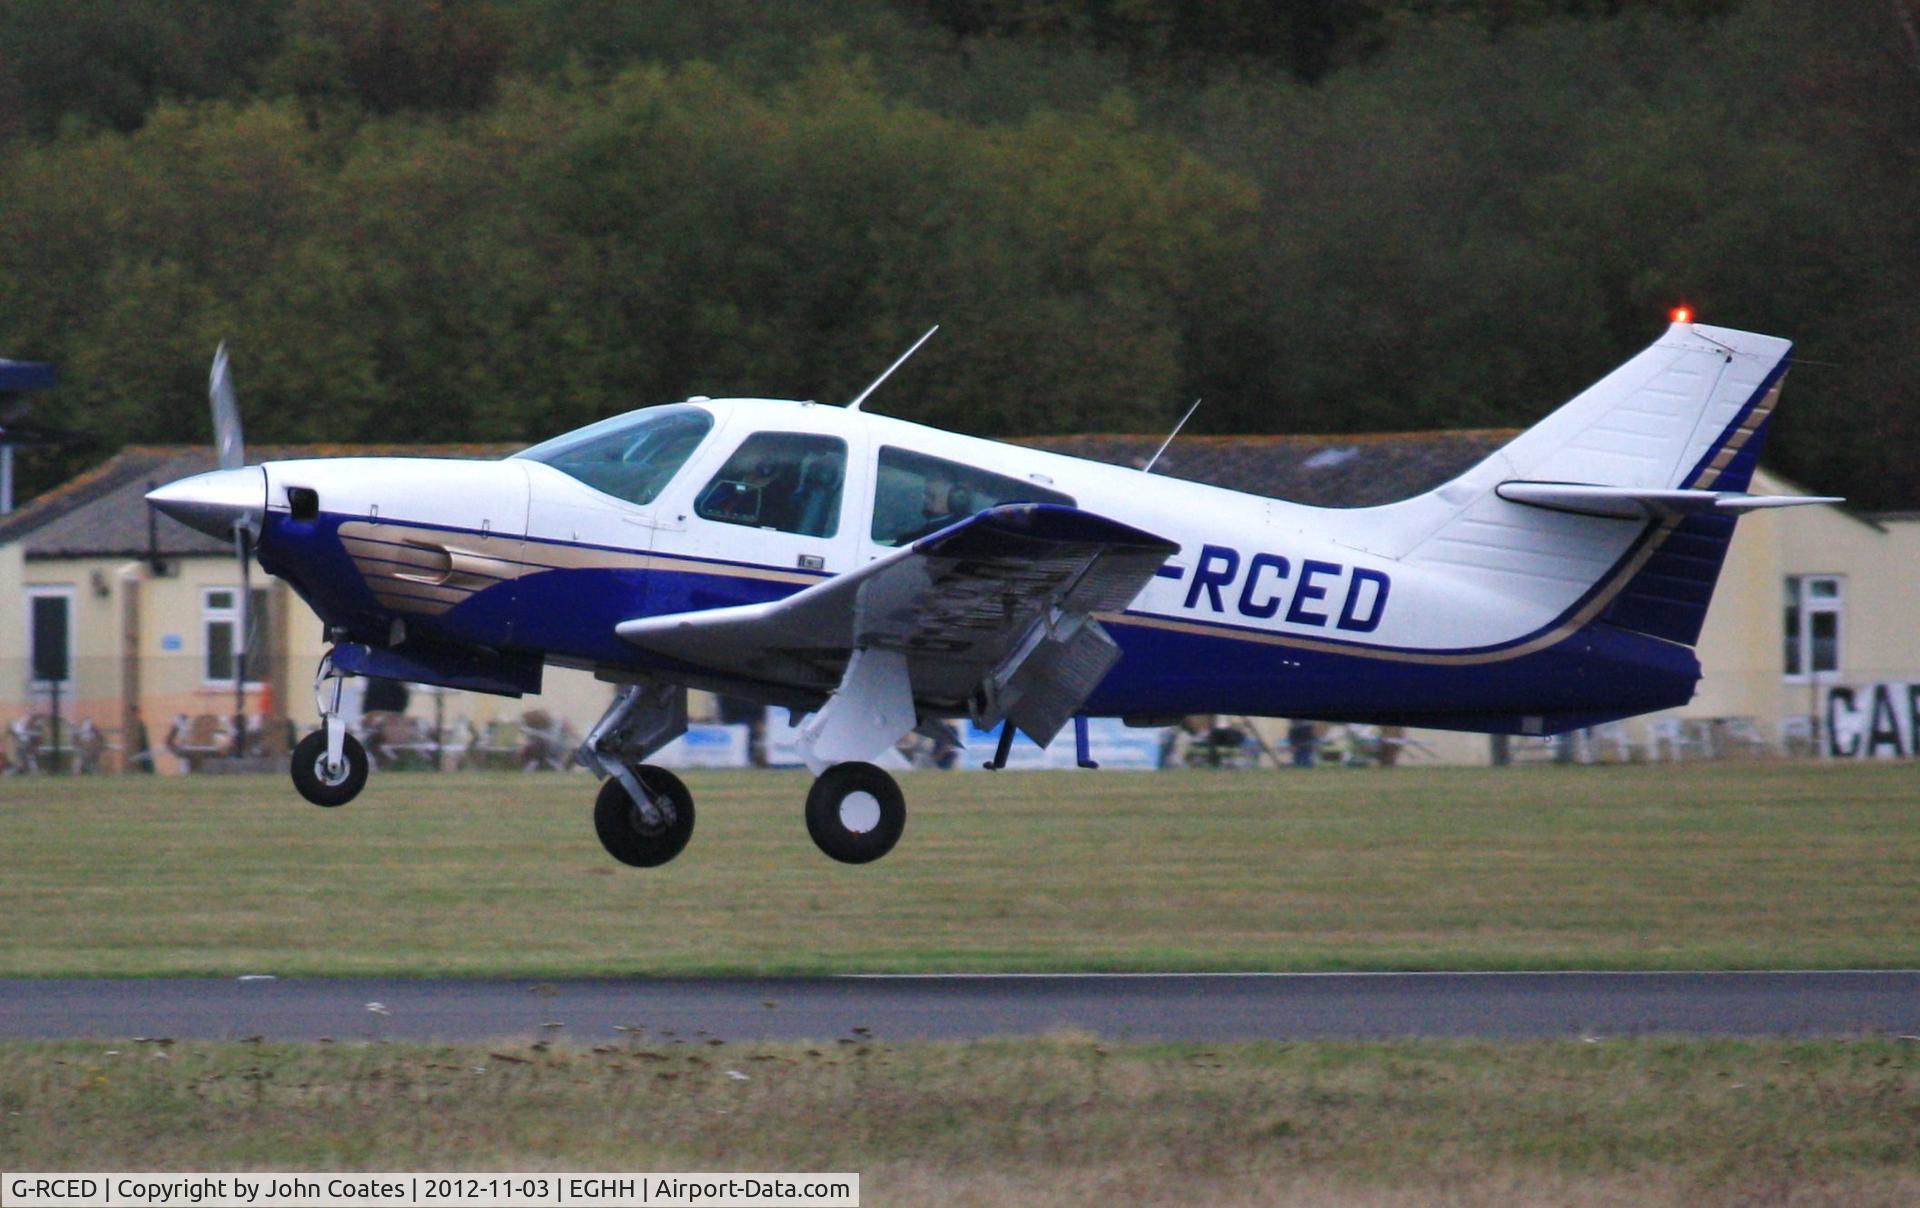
[325,783]
[644,838]
[855,813]
[329,766]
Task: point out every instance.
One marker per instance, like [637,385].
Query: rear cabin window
[631,457]
[915,494]
[786,481]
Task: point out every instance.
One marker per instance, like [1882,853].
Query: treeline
[489,221]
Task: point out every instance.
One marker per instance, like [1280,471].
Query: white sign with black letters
[1873,721]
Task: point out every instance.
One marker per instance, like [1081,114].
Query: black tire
[310,770]
[827,816]
[623,831]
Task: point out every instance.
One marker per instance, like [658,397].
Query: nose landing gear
[643,815]
[647,834]
[329,765]
[325,782]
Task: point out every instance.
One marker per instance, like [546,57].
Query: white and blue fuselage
[876,575]
[1466,611]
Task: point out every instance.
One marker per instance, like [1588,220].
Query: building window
[219,619]
[50,635]
[1813,604]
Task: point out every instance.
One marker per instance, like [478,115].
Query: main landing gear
[644,814]
[329,765]
[855,813]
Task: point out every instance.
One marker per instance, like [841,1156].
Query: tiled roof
[1326,471]
[102,513]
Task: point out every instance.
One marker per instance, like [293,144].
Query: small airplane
[876,576]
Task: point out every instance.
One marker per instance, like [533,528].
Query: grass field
[1712,866]
[1704,866]
[1062,1120]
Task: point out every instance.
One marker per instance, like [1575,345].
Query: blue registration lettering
[1267,607]
[1310,570]
[1214,570]
[1350,617]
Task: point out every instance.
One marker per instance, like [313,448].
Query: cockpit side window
[632,456]
[915,494]
[787,481]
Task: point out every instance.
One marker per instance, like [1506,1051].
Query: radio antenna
[1148,468]
[855,404]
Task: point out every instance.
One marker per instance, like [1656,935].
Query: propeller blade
[242,638]
[230,447]
[226,413]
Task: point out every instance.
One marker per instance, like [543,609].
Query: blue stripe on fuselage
[1598,669]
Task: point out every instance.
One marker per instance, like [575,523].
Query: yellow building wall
[1879,565]
[1881,568]
[171,647]
[13,634]
[173,651]
[94,688]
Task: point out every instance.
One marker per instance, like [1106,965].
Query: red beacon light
[1681,314]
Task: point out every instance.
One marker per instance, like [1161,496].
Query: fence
[163,713]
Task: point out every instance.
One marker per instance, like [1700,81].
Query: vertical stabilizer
[1688,414]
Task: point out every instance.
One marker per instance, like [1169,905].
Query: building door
[50,638]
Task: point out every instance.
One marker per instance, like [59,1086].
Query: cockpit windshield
[631,456]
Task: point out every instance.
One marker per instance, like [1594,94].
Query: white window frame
[1806,606]
[58,592]
[209,616]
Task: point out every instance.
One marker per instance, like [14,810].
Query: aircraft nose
[214,502]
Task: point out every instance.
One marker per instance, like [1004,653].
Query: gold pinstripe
[393,558]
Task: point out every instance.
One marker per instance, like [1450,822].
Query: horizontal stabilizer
[1640,503]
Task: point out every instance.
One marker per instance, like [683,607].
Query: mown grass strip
[1689,866]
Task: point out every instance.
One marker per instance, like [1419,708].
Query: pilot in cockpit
[945,502]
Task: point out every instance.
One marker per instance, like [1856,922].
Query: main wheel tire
[623,829]
[855,813]
[310,770]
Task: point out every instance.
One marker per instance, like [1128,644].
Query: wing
[994,616]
